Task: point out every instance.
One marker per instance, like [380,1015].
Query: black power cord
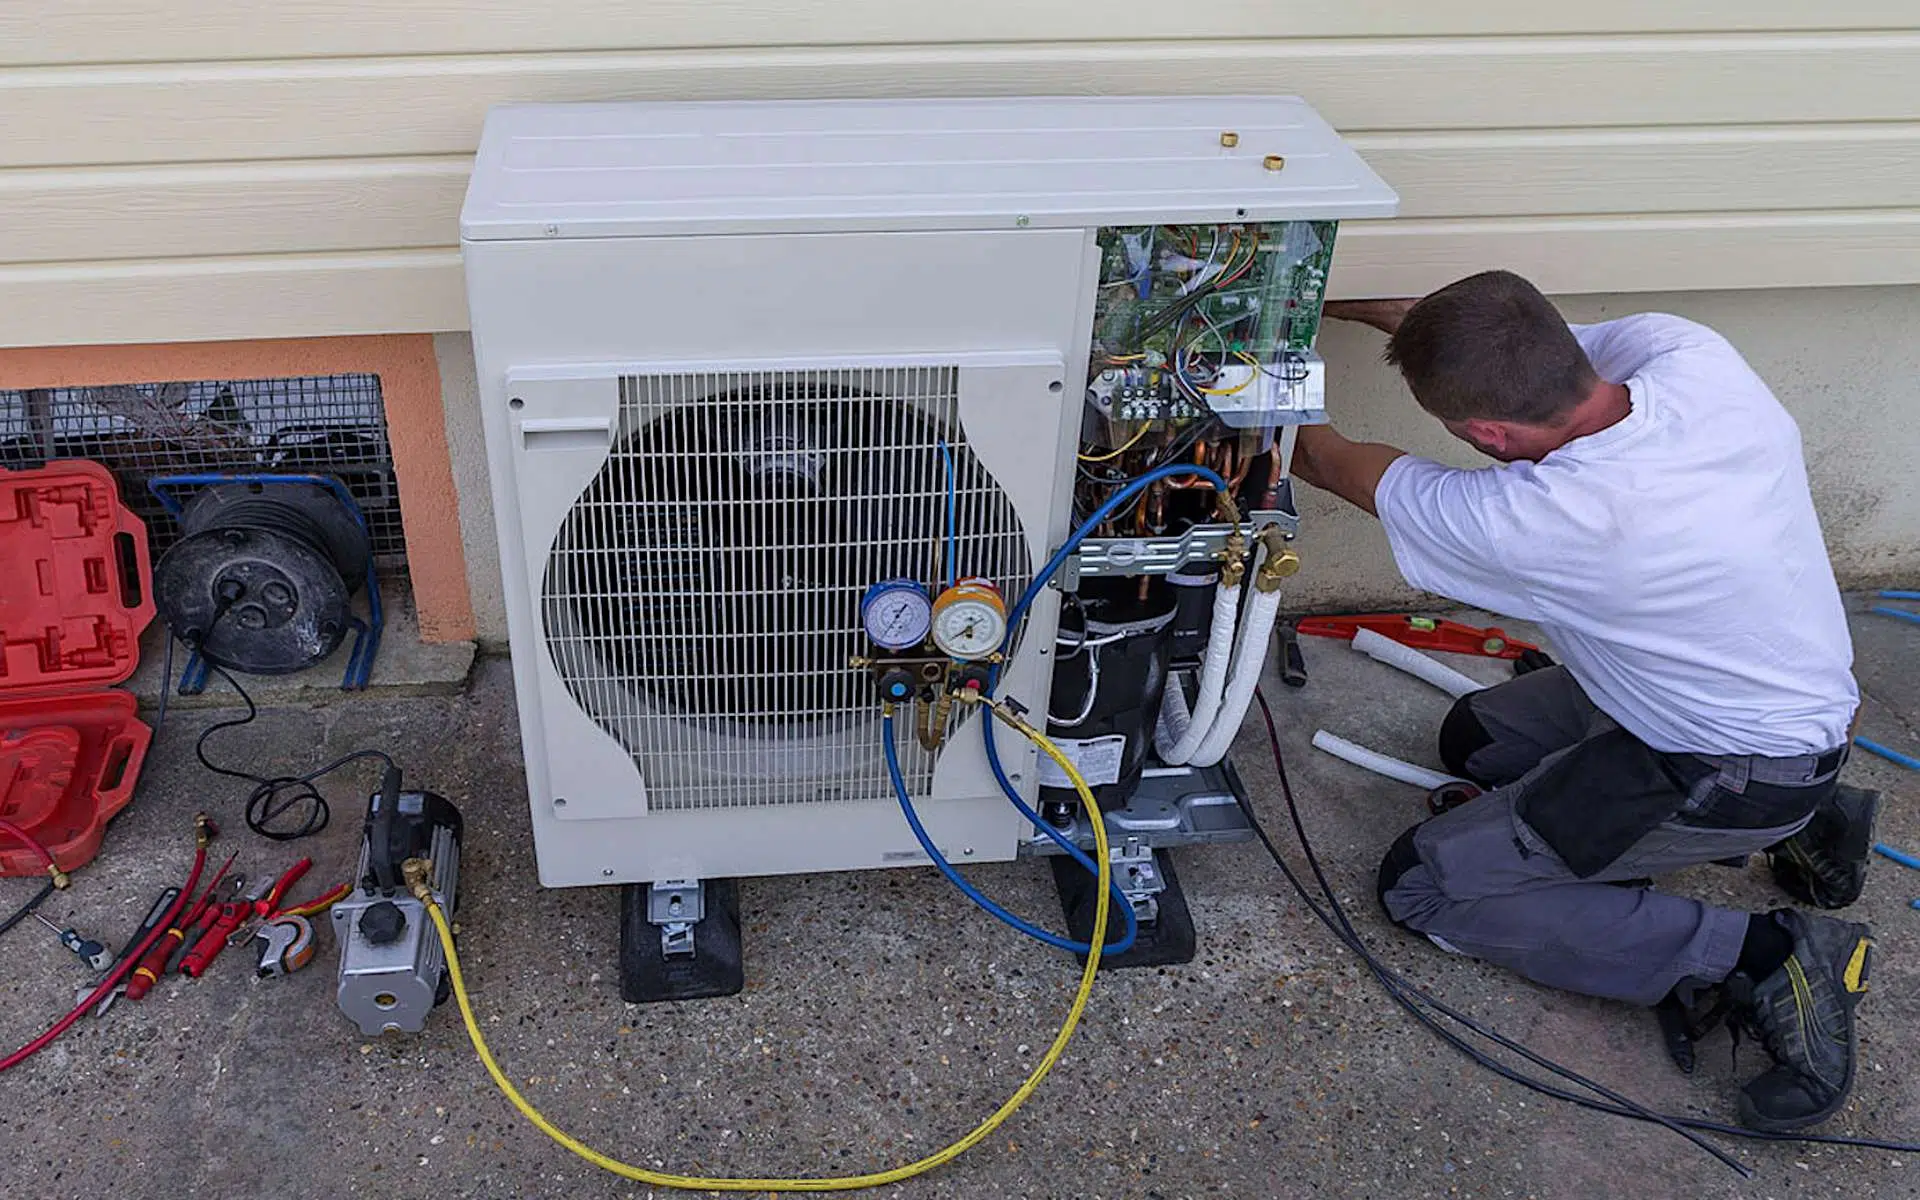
[26,910]
[274,797]
[1416,1001]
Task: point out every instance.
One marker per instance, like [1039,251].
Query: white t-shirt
[1674,558]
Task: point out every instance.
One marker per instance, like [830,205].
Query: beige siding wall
[295,167]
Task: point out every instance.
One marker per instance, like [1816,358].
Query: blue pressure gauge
[896,614]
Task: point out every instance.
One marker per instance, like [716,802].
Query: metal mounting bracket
[1161,555]
[676,906]
[1138,877]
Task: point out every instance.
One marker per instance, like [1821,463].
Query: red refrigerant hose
[32,843]
[204,832]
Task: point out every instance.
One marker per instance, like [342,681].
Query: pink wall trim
[409,385]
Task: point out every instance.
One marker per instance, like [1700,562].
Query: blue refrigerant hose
[1018,613]
[975,894]
[1014,617]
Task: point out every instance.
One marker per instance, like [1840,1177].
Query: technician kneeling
[1652,516]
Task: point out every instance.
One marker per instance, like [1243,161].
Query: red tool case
[74,596]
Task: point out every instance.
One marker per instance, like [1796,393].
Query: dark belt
[1803,770]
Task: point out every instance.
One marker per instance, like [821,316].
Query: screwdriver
[93,953]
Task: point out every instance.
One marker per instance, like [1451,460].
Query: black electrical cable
[273,797]
[26,910]
[166,683]
[1410,997]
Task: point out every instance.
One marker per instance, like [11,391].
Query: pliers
[272,907]
[281,934]
[266,904]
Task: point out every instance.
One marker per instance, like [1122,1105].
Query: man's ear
[1494,438]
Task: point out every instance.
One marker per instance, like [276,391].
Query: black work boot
[1825,864]
[1803,1014]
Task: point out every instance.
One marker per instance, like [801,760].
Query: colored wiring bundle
[1426,1009]
[418,873]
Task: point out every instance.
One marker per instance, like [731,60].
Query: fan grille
[702,597]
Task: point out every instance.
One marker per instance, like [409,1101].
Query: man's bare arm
[1384,315]
[1350,470]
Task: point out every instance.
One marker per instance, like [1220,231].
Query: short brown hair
[1491,347]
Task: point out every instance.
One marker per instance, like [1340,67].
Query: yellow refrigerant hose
[418,871]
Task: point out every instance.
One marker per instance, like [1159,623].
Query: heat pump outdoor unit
[743,363]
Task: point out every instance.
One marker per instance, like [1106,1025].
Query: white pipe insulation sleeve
[1248,659]
[1178,733]
[1381,764]
[1386,650]
[1172,723]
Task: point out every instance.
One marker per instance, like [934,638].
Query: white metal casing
[839,166]
[616,240]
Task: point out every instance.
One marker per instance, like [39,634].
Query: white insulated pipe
[1386,650]
[1177,733]
[1250,654]
[1381,764]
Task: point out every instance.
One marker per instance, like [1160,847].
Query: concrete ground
[883,1016]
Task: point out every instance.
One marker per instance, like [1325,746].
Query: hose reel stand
[264,574]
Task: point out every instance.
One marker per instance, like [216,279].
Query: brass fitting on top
[1235,569]
[418,872]
[930,720]
[1280,562]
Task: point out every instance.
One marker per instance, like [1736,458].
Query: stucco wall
[1843,360]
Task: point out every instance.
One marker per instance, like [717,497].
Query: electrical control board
[1202,352]
[1199,320]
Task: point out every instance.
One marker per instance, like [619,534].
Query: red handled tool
[154,963]
[267,906]
[1421,633]
[283,938]
[223,921]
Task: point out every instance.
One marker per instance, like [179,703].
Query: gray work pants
[1487,884]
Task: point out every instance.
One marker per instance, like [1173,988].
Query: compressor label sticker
[1097,759]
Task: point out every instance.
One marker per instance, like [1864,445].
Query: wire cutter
[282,937]
[273,907]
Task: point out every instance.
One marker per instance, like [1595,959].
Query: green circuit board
[1210,290]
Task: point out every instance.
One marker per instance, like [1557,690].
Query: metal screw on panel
[1273,162]
[1023,221]
[1229,139]
[968,852]
[606,870]
[552,231]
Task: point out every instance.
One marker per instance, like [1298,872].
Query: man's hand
[1384,315]
[1350,470]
